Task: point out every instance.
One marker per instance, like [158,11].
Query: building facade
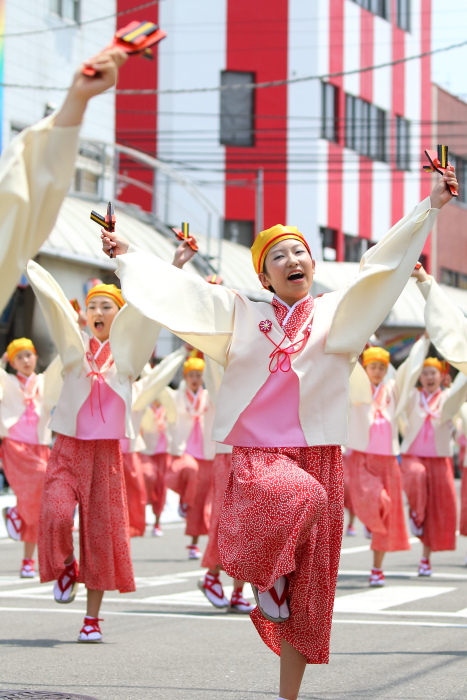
[332,148]
[450,235]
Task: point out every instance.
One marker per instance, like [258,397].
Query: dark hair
[271,289]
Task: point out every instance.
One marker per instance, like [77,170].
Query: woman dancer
[374,475]
[144,391]
[190,472]
[85,466]
[27,400]
[281,522]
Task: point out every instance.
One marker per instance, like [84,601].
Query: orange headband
[434,362]
[376,354]
[106,290]
[17,345]
[193,363]
[265,240]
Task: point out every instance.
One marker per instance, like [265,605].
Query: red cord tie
[96,380]
[280,357]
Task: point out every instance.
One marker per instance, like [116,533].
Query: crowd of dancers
[252,438]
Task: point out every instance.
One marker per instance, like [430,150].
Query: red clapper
[135,38]
[438,163]
[107,222]
[183,234]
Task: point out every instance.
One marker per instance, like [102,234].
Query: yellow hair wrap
[434,362]
[265,240]
[193,364]
[17,345]
[376,354]
[106,290]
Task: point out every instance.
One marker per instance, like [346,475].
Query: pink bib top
[25,429]
[424,444]
[195,442]
[102,415]
[380,442]
[272,417]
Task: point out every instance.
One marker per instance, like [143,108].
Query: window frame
[404,15]
[228,119]
[329,111]
[403,149]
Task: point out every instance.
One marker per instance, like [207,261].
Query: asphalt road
[407,641]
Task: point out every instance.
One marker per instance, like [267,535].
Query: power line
[250,86]
[32,32]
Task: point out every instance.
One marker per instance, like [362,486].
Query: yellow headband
[106,290]
[193,364]
[434,362]
[17,345]
[265,240]
[376,354]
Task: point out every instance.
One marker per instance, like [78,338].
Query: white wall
[50,58]
[192,55]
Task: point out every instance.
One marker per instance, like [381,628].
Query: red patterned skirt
[283,514]
[87,473]
[463,523]
[25,467]
[136,495]
[376,494]
[221,472]
[429,485]
[155,473]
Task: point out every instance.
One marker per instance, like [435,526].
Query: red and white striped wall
[308,182]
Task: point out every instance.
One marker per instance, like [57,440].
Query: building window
[449,277]
[67,9]
[365,128]
[355,247]
[403,15]
[328,243]
[378,7]
[402,143]
[237,109]
[239,232]
[328,112]
[460,165]
[90,167]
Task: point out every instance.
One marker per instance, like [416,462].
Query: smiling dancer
[374,475]
[27,400]
[85,467]
[283,406]
[427,471]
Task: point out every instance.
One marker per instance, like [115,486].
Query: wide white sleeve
[457,396]
[53,382]
[60,317]
[213,373]
[35,174]
[384,271]
[409,371]
[445,324]
[359,386]
[133,338]
[148,388]
[200,313]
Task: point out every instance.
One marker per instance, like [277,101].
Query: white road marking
[403,574]
[229,618]
[376,599]
[366,547]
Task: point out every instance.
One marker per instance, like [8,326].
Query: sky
[450,27]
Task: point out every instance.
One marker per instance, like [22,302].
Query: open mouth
[295,276]
[99,325]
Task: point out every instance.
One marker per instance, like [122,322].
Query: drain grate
[40,695]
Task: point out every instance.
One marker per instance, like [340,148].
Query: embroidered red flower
[265,326]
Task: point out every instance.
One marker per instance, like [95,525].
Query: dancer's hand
[114,243]
[83,87]
[441,194]
[420,274]
[183,253]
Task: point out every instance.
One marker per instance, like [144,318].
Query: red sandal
[263,601]
[13,523]
[91,633]
[66,586]
[211,586]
